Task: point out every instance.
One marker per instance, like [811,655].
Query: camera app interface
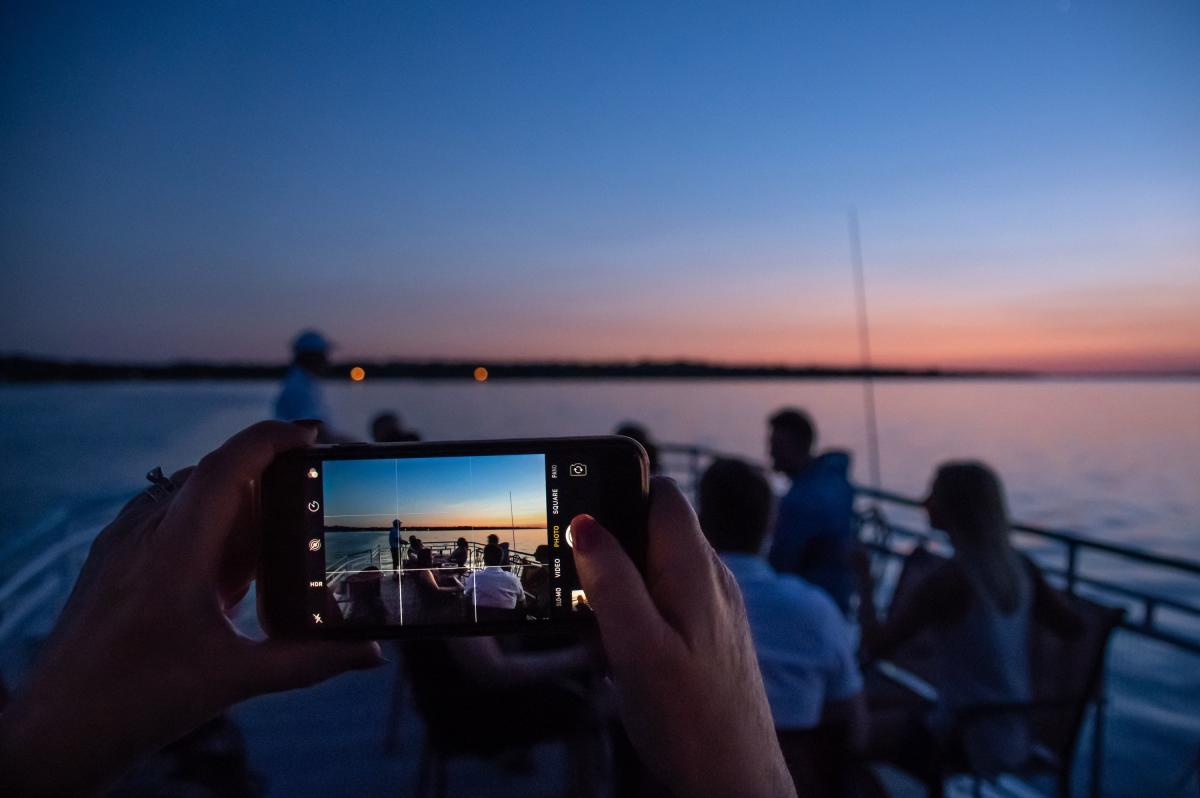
[440,540]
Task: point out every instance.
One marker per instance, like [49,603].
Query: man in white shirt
[493,587]
[300,395]
[802,640]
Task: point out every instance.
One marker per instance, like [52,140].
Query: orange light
[357,374]
[480,374]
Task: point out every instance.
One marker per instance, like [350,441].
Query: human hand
[144,650]
[681,656]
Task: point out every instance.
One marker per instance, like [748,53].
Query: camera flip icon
[577,469]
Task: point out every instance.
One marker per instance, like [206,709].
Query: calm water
[341,544]
[1118,460]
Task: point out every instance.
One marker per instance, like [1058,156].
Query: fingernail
[583,533]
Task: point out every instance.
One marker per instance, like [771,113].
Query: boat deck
[328,740]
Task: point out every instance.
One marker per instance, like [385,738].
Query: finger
[629,622]
[244,456]
[216,493]
[276,665]
[682,586]
[181,476]
[143,501]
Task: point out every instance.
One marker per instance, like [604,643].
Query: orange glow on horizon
[481,374]
[358,374]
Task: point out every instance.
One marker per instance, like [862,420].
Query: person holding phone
[144,651]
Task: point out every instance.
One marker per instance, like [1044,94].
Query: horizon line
[22,367]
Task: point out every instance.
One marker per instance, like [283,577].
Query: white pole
[864,344]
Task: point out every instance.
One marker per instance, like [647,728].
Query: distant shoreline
[26,369]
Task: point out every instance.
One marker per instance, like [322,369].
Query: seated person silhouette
[388,428]
[438,602]
[414,548]
[459,555]
[366,602]
[801,638]
[495,592]
[978,606]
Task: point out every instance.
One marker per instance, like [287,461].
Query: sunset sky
[562,180]
[437,491]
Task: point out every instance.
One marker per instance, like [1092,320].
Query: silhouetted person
[387,427]
[639,433]
[493,587]
[978,606]
[493,540]
[814,528]
[300,395]
[414,549]
[436,599]
[366,601]
[459,555]
[394,544]
[801,638]
[504,554]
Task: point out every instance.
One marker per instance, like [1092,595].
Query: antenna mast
[864,346]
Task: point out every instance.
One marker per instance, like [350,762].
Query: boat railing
[1075,550]
[377,557]
[1076,570]
[34,594]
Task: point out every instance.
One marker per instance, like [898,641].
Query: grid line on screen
[399,578]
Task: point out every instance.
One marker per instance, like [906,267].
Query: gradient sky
[604,180]
[437,491]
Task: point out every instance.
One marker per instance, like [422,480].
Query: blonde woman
[978,607]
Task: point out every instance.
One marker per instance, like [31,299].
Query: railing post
[1097,763]
[1148,613]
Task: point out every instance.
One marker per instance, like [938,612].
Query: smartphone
[366,541]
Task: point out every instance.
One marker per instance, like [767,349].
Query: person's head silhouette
[735,506]
[388,427]
[792,436]
[491,554]
[310,351]
[966,501]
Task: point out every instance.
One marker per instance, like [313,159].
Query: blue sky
[559,180]
[436,491]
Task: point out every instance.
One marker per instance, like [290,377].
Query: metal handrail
[1145,622]
[1064,536]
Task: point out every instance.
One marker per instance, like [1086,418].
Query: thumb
[616,592]
[276,665]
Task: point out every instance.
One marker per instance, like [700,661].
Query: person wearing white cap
[300,395]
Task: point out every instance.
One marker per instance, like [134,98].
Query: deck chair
[445,698]
[1067,677]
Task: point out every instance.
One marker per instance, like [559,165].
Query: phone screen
[446,537]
